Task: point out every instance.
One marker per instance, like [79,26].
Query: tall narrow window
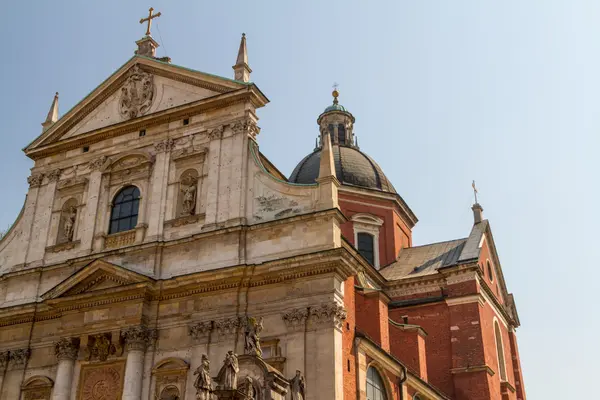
[490,271]
[125,209]
[500,351]
[365,246]
[375,387]
[341,134]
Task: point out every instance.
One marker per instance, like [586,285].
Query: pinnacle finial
[241,68]
[335,93]
[52,116]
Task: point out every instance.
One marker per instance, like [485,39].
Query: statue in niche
[203,382]
[249,389]
[69,223]
[188,190]
[228,374]
[297,386]
[252,340]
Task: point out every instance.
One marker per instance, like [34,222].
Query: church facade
[160,255]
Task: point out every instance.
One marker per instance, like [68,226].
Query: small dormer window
[341,134]
[366,236]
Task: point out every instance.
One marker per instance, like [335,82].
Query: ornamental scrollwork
[200,330]
[245,126]
[164,145]
[54,175]
[97,163]
[19,357]
[35,180]
[328,313]
[216,133]
[295,319]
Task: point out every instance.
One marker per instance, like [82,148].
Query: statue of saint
[69,226]
[203,382]
[252,340]
[297,386]
[249,389]
[188,206]
[228,374]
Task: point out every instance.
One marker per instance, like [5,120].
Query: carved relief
[130,168]
[54,175]
[37,388]
[137,94]
[228,326]
[4,359]
[216,133]
[97,163]
[138,337]
[101,382]
[273,206]
[164,145]
[18,358]
[101,346]
[35,180]
[200,330]
[247,126]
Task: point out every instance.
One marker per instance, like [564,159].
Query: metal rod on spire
[474,191]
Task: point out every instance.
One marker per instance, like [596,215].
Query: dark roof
[424,260]
[352,167]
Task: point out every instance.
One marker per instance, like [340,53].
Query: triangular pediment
[96,277]
[140,88]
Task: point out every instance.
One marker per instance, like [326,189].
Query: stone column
[66,350]
[137,339]
[4,359]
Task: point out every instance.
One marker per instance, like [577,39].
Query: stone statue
[69,226]
[203,382]
[249,389]
[252,341]
[188,205]
[228,374]
[297,386]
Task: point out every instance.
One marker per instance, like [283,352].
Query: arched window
[500,351]
[365,246]
[375,387]
[125,209]
[417,396]
[341,134]
[490,271]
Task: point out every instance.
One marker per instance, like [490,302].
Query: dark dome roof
[352,167]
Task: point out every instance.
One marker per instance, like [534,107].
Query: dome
[352,167]
[335,107]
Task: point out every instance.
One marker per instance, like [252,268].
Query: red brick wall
[372,317]
[485,255]
[409,347]
[516,363]
[348,340]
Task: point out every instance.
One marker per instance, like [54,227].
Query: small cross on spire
[475,191]
[149,20]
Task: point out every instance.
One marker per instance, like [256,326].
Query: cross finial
[475,191]
[149,20]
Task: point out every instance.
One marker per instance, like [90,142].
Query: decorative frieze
[35,180]
[139,337]
[229,326]
[66,349]
[295,320]
[164,145]
[328,314]
[185,220]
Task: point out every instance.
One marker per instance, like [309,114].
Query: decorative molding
[164,145]
[72,183]
[138,338]
[216,133]
[246,126]
[35,180]
[328,314]
[4,359]
[295,320]
[188,152]
[137,94]
[474,368]
[461,276]
[101,381]
[473,298]
[120,239]
[37,388]
[185,220]
[97,163]
[57,248]
[66,349]
[54,175]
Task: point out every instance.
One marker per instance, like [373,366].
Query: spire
[241,68]
[52,114]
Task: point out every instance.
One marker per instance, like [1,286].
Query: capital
[54,175]
[66,349]
[138,337]
[328,315]
[4,359]
[35,180]
[200,330]
[97,163]
[164,146]
[19,357]
[295,320]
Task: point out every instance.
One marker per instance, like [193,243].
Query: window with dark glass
[490,271]
[341,134]
[500,351]
[125,209]
[366,247]
[375,388]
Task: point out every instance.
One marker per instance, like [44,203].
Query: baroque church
[160,255]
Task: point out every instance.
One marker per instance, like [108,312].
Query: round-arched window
[125,210]
[375,387]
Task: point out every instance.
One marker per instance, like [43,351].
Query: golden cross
[149,19]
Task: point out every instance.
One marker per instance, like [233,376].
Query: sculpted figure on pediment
[137,94]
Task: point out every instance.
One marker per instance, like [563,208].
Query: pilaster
[159,184]
[91,208]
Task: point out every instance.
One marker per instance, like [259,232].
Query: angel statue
[203,383]
[228,374]
[252,340]
[297,386]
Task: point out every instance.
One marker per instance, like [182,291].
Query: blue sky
[444,92]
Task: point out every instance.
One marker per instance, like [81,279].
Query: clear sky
[503,92]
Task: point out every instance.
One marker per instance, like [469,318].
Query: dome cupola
[352,166]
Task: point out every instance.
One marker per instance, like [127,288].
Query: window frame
[500,355]
[371,224]
[490,270]
[113,205]
[380,386]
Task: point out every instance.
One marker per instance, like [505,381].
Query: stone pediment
[98,276]
[141,87]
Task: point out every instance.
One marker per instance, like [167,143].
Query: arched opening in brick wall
[500,351]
